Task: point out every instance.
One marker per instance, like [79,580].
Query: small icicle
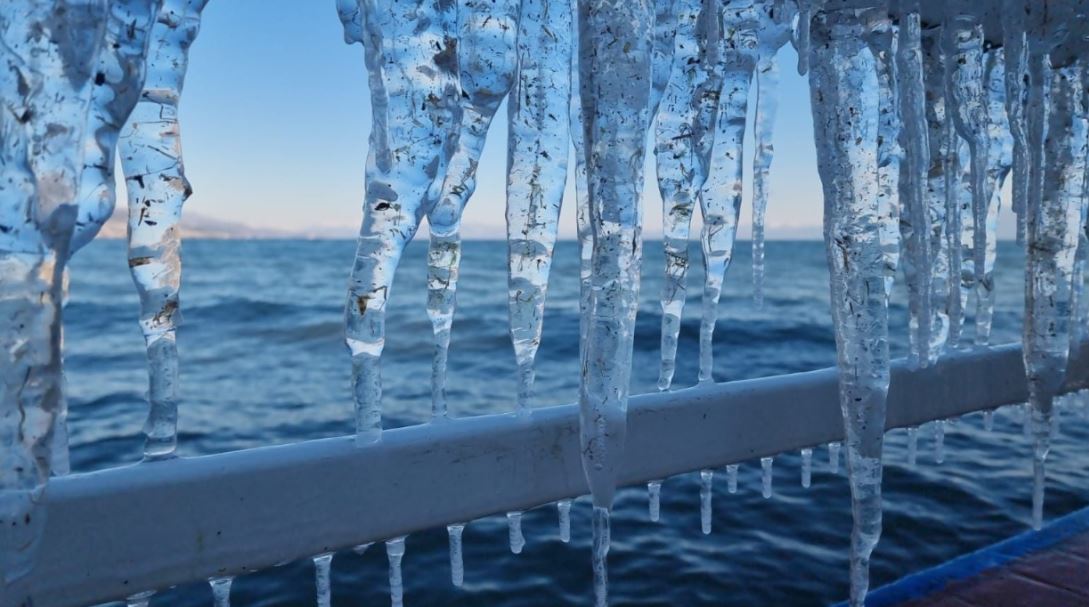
[988,420]
[765,478]
[140,599]
[833,457]
[913,446]
[939,441]
[563,508]
[457,562]
[654,500]
[395,550]
[731,478]
[707,479]
[514,530]
[322,563]
[600,557]
[807,467]
[221,590]
[361,549]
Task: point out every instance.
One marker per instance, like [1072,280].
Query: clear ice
[410,50]
[538,144]
[614,92]
[49,51]
[457,560]
[766,476]
[322,564]
[487,57]
[844,80]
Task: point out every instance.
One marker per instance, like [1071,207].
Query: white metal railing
[115,532]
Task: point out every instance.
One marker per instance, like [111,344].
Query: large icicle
[681,172]
[720,197]
[119,78]
[151,156]
[614,89]
[999,161]
[915,222]
[537,150]
[774,31]
[846,110]
[487,57]
[1057,141]
[410,51]
[48,53]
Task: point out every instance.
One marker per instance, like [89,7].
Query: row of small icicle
[917,123]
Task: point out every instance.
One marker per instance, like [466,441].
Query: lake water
[263,362]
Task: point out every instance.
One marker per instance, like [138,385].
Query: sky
[275,116]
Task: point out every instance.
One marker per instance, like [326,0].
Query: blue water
[263,363]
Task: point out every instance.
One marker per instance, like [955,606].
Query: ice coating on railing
[774,31]
[487,61]
[1057,143]
[680,168]
[48,54]
[720,197]
[410,51]
[537,150]
[846,117]
[614,92]
[151,157]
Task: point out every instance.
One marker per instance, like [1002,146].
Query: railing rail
[115,532]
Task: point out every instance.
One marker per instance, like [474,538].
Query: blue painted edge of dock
[928,581]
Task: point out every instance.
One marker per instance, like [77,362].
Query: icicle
[999,162]
[807,467]
[833,457]
[939,277]
[514,530]
[707,479]
[967,100]
[457,563]
[661,61]
[538,140]
[150,148]
[351,17]
[1057,140]
[988,420]
[913,446]
[959,232]
[322,563]
[1015,48]
[361,549]
[48,54]
[731,478]
[765,477]
[413,74]
[487,59]
[600,556]
[939,441]
[915,221]
[654,500]
[679,135]
[614,89]
[582,184]
[563,508]
[846,110]
[140,599]
[720,197]
[221,590]
[800,35]
[774,32]
[395,551]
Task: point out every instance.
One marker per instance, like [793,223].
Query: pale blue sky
[275,116]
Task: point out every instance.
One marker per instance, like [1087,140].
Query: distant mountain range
[195,225]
